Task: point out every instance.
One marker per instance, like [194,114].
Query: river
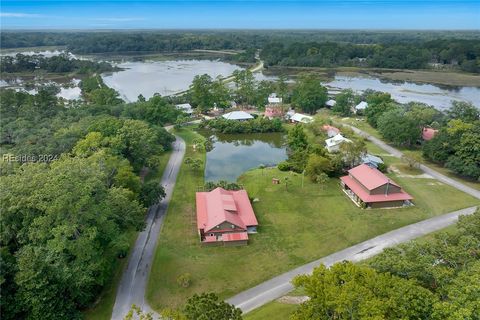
[404,91]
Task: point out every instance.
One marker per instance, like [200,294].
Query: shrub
[184,280]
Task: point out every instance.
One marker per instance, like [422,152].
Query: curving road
[131,289]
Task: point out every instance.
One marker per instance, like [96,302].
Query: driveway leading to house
[437,175]
[131,289]
[275,288]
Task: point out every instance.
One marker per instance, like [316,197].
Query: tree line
[62,63]
[70,206]
[458,54]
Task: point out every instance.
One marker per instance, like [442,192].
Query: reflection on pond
[233,154]
[404,91]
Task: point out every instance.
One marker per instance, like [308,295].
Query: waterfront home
[331,103]
[428,134]
[369,188]
[238,115]
[225,217]
[274,99]
[361,106]
[300,118]
[333,144]
[185,107]
[272,111]
[330,130]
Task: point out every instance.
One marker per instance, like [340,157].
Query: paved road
[131,289]
[397,153]
[281,285]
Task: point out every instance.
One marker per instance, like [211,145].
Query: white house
[331,103]
[303,118]
[274,99]
[238,115]
[185,107]
[333,144]
[361,106]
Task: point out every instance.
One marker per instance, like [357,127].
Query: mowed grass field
[297,225]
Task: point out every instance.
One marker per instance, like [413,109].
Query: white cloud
[19,15]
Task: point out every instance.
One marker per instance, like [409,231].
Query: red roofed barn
[225,217]
[366,185]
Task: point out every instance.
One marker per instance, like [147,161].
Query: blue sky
[236,14]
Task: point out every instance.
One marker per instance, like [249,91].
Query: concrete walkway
[131,289]
[437,175]
[281,285]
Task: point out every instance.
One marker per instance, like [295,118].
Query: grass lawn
[273,310]
[297,226]
[104,306]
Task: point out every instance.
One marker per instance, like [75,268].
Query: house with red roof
[330,130]
[428,134]
[272,111]
[225,217]
[370,188]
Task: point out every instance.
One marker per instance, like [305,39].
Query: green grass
[297,226]
[274,310]
[179,233]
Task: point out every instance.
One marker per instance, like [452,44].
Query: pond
[404,92]
[163,77]
[233,154]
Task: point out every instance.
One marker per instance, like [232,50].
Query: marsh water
[233,154]
[164,77]
[404,91]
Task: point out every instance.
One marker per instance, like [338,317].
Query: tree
[317,165]
[394,126]
[245,86]
[463,111]
[297,139]
[207,306]
[281,87]
[221,94]
[152,192]
[322,179]
[60,221]
[135,313]
[196,164]
[308,93]
[345,103]
[201,91]
[349,291]
[378,103]
[352,152]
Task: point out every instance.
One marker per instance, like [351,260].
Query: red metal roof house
[225,217]
[367,186]
[428,133]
